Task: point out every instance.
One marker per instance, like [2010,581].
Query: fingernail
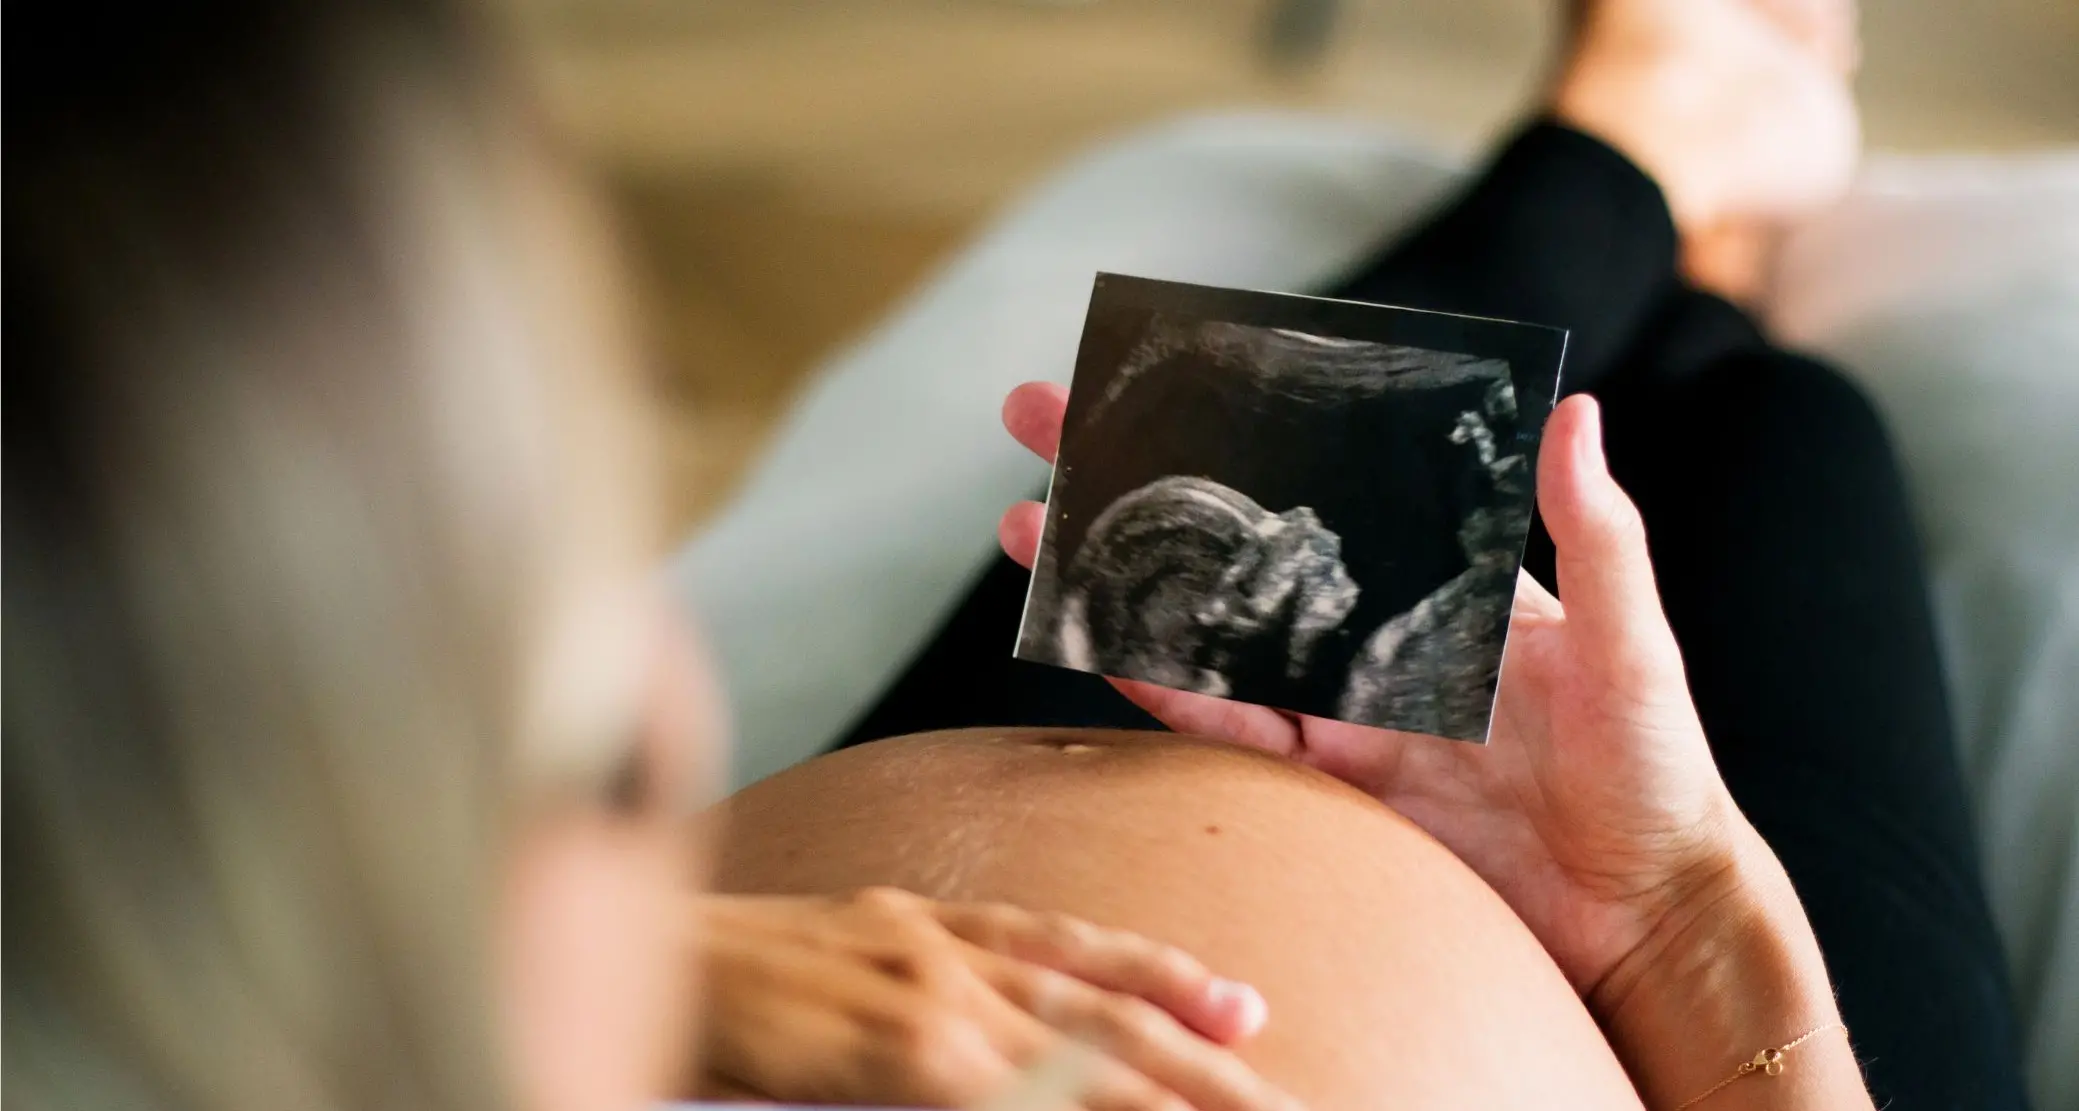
[1244,1002]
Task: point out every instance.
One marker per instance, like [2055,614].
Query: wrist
[1732,971]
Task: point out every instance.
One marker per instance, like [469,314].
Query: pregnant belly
[1396,978]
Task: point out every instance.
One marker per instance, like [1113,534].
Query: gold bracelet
[1768,1062]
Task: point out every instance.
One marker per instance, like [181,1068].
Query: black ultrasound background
[1380,470]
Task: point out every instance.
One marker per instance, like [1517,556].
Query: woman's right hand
[892,999]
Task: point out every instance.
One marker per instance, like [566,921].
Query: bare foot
[1741,109]
[1732,260]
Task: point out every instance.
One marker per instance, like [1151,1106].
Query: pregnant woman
[350,765]
[1722,767]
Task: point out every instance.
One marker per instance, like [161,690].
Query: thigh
[1395,977]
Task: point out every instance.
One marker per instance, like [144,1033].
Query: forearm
[1739,975]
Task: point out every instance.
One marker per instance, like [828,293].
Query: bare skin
[884,997]
[1394,976]
[1741,109]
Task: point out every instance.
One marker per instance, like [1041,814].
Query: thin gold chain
[1768,1062]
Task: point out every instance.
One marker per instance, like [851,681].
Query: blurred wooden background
[787,169]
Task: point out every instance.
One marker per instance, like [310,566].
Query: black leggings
[1788,565]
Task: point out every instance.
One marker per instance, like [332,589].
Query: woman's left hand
[885,998]
[1596,809]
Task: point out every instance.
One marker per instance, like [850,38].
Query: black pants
[1788,566]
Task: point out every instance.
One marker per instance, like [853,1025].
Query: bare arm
[1706,1013]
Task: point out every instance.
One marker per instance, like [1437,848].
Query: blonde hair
[318,439]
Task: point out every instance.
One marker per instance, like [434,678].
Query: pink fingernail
[1244,1002]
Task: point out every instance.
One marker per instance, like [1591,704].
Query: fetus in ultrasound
[1186,583]
[1318,506]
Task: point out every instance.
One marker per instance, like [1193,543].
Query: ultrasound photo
[1310,504]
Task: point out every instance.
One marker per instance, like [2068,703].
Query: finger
[1605,573]
[811,1025]
[1055,1076]
[1019,532]
[1202,715]
[1070,1074]
[1033,413]
[1114,960]
[1150,1044]
[1533,601]
[1112,1086]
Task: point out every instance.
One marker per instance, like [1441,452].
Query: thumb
[1605,574]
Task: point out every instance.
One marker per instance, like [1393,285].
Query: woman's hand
[1596,809]
[892,999]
